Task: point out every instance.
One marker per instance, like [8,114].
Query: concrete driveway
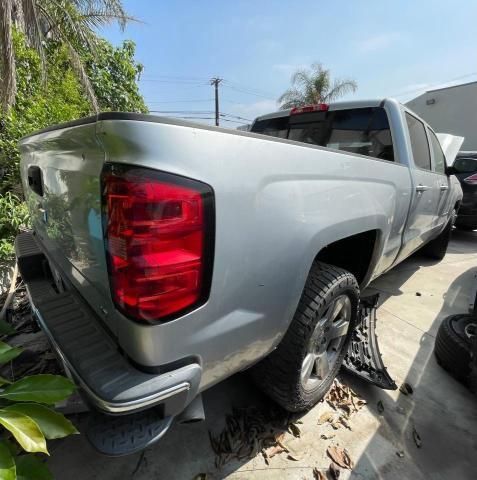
[415,296]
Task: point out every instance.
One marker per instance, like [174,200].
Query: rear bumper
[110,383]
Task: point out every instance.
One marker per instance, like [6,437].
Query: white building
[450,110]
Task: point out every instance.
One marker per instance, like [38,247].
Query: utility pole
[215,82]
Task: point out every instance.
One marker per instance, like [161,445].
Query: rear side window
[419,143]
[364,131]
[439,158]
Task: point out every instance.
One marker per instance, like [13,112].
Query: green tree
[113,73]
[312,86]
[72,23]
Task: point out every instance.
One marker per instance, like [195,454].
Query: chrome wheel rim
[326,342]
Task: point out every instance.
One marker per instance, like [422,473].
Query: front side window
[439,158]
[419,143]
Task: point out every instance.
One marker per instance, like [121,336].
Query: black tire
[437,248]
[452,347]
[279,374]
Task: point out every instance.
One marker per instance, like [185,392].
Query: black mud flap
[115,436]
[364,358]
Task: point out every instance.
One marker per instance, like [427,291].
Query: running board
[363,358]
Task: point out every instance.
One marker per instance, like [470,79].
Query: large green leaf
[31,468]
[52,424]
[4,381]
[47,389]
[7,463]
[8,353]
[26,432]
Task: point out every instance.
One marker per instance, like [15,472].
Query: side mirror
[450,170]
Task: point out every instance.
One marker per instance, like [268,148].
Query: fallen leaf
[326,417]
[417,438]
[294,430]
[345,423]
[293,456]
[340,456]
[318,474]
[334,471]
[270,452]
[380,407]
[406,389]
[336,424]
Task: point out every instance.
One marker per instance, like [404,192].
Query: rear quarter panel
[278,203]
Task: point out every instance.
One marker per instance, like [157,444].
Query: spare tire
[453,346]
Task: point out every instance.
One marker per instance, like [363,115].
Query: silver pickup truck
[166,256]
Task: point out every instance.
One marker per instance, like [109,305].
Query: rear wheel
[299,372]
[437,248]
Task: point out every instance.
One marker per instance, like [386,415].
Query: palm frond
[314,85]
[83,78]
[341,88]
[104,12]
[7,68]
[291,98]
[31,28]
[71,22]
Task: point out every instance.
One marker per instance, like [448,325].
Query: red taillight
[158,235]
[472,180]
[320,107]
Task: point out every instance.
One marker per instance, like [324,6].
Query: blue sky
[397,48]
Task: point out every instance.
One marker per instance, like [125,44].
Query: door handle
[444,188]
[422,188]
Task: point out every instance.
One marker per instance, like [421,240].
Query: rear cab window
[364,131]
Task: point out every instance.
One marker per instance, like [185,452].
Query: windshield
[359,130]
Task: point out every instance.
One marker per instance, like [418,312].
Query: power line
[181,101]
[232,121]
[235,116]
[252,90]
[176,77]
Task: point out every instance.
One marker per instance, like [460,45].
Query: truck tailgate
[61,171]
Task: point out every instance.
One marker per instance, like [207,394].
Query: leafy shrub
[13,216]
[29,421]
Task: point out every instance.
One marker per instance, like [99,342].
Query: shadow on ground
[442,411]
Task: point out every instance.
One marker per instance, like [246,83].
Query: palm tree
[313,86]
[69,22]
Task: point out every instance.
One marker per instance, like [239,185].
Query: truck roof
[333,106]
